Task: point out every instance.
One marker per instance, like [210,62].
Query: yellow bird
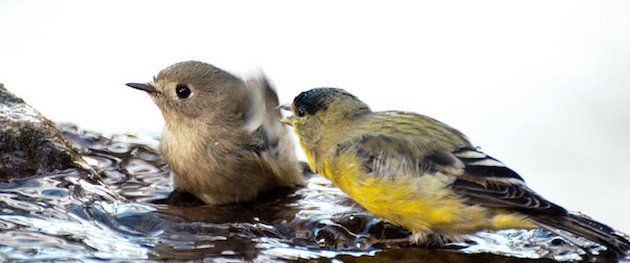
[422,174]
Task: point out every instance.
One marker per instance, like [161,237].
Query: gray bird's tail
[584,227]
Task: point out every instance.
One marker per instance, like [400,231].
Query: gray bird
[222,138]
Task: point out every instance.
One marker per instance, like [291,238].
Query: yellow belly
[419,203]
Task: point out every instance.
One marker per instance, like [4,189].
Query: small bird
[422,174]
[222,136]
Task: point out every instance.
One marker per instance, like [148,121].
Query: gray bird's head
[194,90]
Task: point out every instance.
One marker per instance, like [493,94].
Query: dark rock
[30,144]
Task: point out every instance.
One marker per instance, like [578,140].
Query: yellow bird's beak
[289,119]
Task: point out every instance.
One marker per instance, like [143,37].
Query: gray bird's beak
[286,107]
[289,119]
[143,86]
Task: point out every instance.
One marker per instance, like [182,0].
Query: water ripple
[134,216]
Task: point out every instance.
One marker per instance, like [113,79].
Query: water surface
[135,217]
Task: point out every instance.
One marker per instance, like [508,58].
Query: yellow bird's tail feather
[582,226]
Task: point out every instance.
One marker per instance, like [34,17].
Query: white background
[542,85]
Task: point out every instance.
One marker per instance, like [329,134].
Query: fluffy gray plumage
[222,139]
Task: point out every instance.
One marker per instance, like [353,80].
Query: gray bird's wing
[262,116]
[262,103]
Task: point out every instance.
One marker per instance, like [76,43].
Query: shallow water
[135,217]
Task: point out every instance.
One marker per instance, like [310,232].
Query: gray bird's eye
[182,91]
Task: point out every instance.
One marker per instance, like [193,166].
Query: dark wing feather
[262,141]
[488,182]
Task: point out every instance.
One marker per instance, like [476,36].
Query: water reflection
[64,216]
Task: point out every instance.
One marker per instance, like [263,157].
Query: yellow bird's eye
[300,112]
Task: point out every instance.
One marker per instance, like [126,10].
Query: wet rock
[30,144]
[52,204]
